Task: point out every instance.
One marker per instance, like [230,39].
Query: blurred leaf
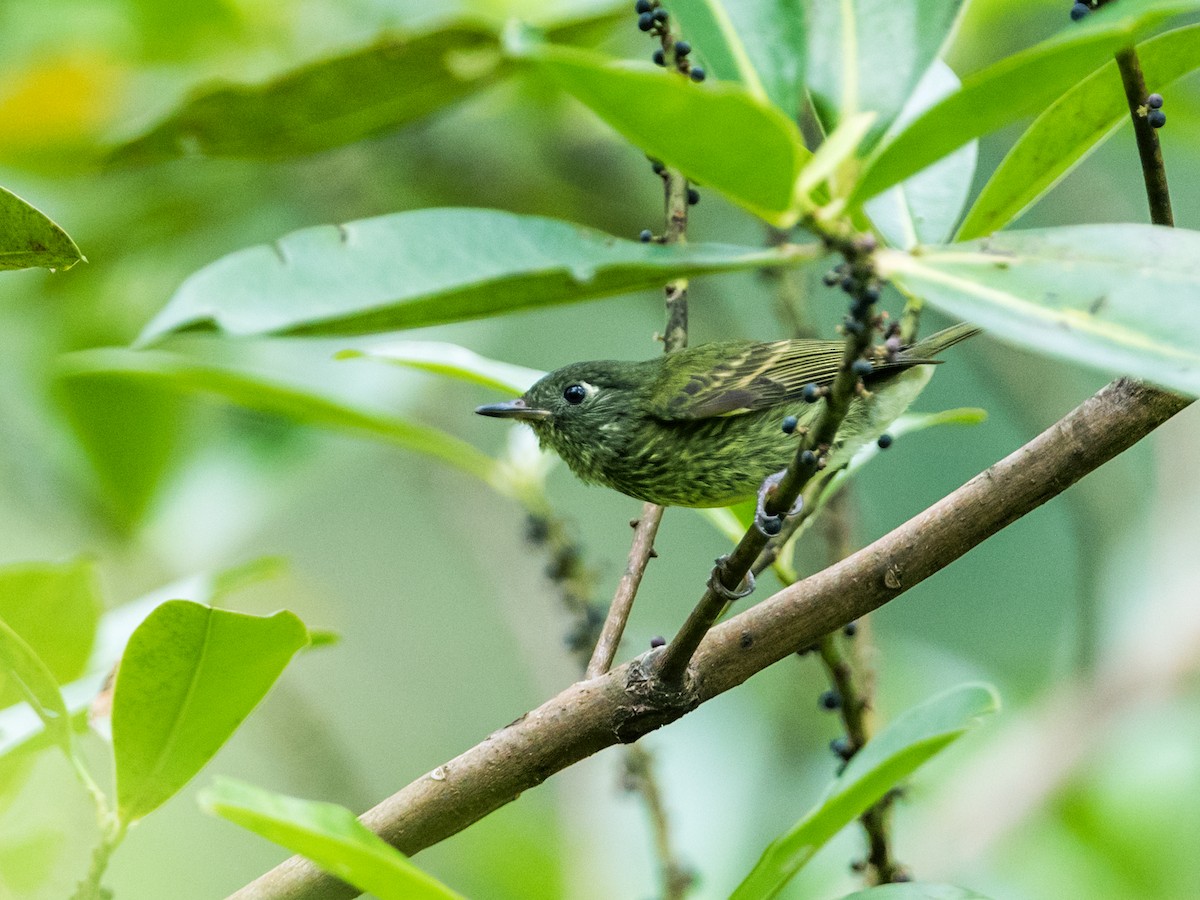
[21,665]
[129,433]
[428,267]
[327,834]
[28,860]
[915,891]
[889,758]
[833,156]
[54,608]
[187,679]
[716,45]
[328,103]
[452,360]
[1071,128]
[701,129]
[868,55]
[1114,297]
[772,32]
[28,239]
[1018,86]
[925,208]
[266,393]
[322,637]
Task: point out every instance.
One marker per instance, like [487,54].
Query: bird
[705,426]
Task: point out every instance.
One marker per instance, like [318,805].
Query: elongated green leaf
[330,102]
[1013,88]
[868,55]
[701,129]
[1071,128]
[1115,297]
[452,360]
[914,890]
[188,678]
[54,607]
[717,45]
[914,737]
[925,208]
[269,394]
[428,267]
[327,834]
[772,32]
[23,668]
[29,239]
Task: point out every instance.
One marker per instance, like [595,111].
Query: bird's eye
[575,394]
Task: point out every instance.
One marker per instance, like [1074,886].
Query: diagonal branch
[628,702]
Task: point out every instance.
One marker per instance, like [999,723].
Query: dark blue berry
[646,21]
[682,49]
[659,58]
[862,367]
[831,700]
[1157,118]
[658,641]
[1079,10]
[808,459]
[646,236]
[658,166]
[1154,101]
[885,441]
[850,629]
[643,6]
[693,196]
[832,277]
[772,525]
[853,326]
[870,293]
[697,74]
[842,747]
[811,393]
[660,16]
[789,424]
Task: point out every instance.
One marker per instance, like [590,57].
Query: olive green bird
[702,427]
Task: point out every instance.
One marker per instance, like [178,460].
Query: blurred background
[1084,614]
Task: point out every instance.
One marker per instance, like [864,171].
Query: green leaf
[914,890]
[29,239]
[1114,297]
[716,45]
[268,393]
[1071,128]
[130,434]
[1015,87]
[893,755]
[327,834]
[453,361]
[188,678]
[925,208]
[701,129]
[868,55]
[55,609]
[428,267]
[20,729]
[328,103]
[23,668]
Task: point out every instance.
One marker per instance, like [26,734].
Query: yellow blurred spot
[64,99]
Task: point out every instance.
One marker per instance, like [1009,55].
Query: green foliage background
[449,629]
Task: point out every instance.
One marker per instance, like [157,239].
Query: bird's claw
[772,525]
[718,586]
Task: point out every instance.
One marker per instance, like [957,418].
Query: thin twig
[627,588]
[1153,171]
[639,774]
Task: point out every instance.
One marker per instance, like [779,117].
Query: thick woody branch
[627,703]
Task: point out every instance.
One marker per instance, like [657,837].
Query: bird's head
[577,405]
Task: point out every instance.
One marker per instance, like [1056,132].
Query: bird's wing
[750,376]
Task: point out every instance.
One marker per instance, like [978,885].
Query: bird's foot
[772,525]
[717,583]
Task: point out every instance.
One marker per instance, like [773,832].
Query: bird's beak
[514,409]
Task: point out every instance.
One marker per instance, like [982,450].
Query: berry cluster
[1154,114]
[655,20]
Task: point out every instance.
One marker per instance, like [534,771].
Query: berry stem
[1154,172]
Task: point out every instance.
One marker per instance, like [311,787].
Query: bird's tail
[925,350]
